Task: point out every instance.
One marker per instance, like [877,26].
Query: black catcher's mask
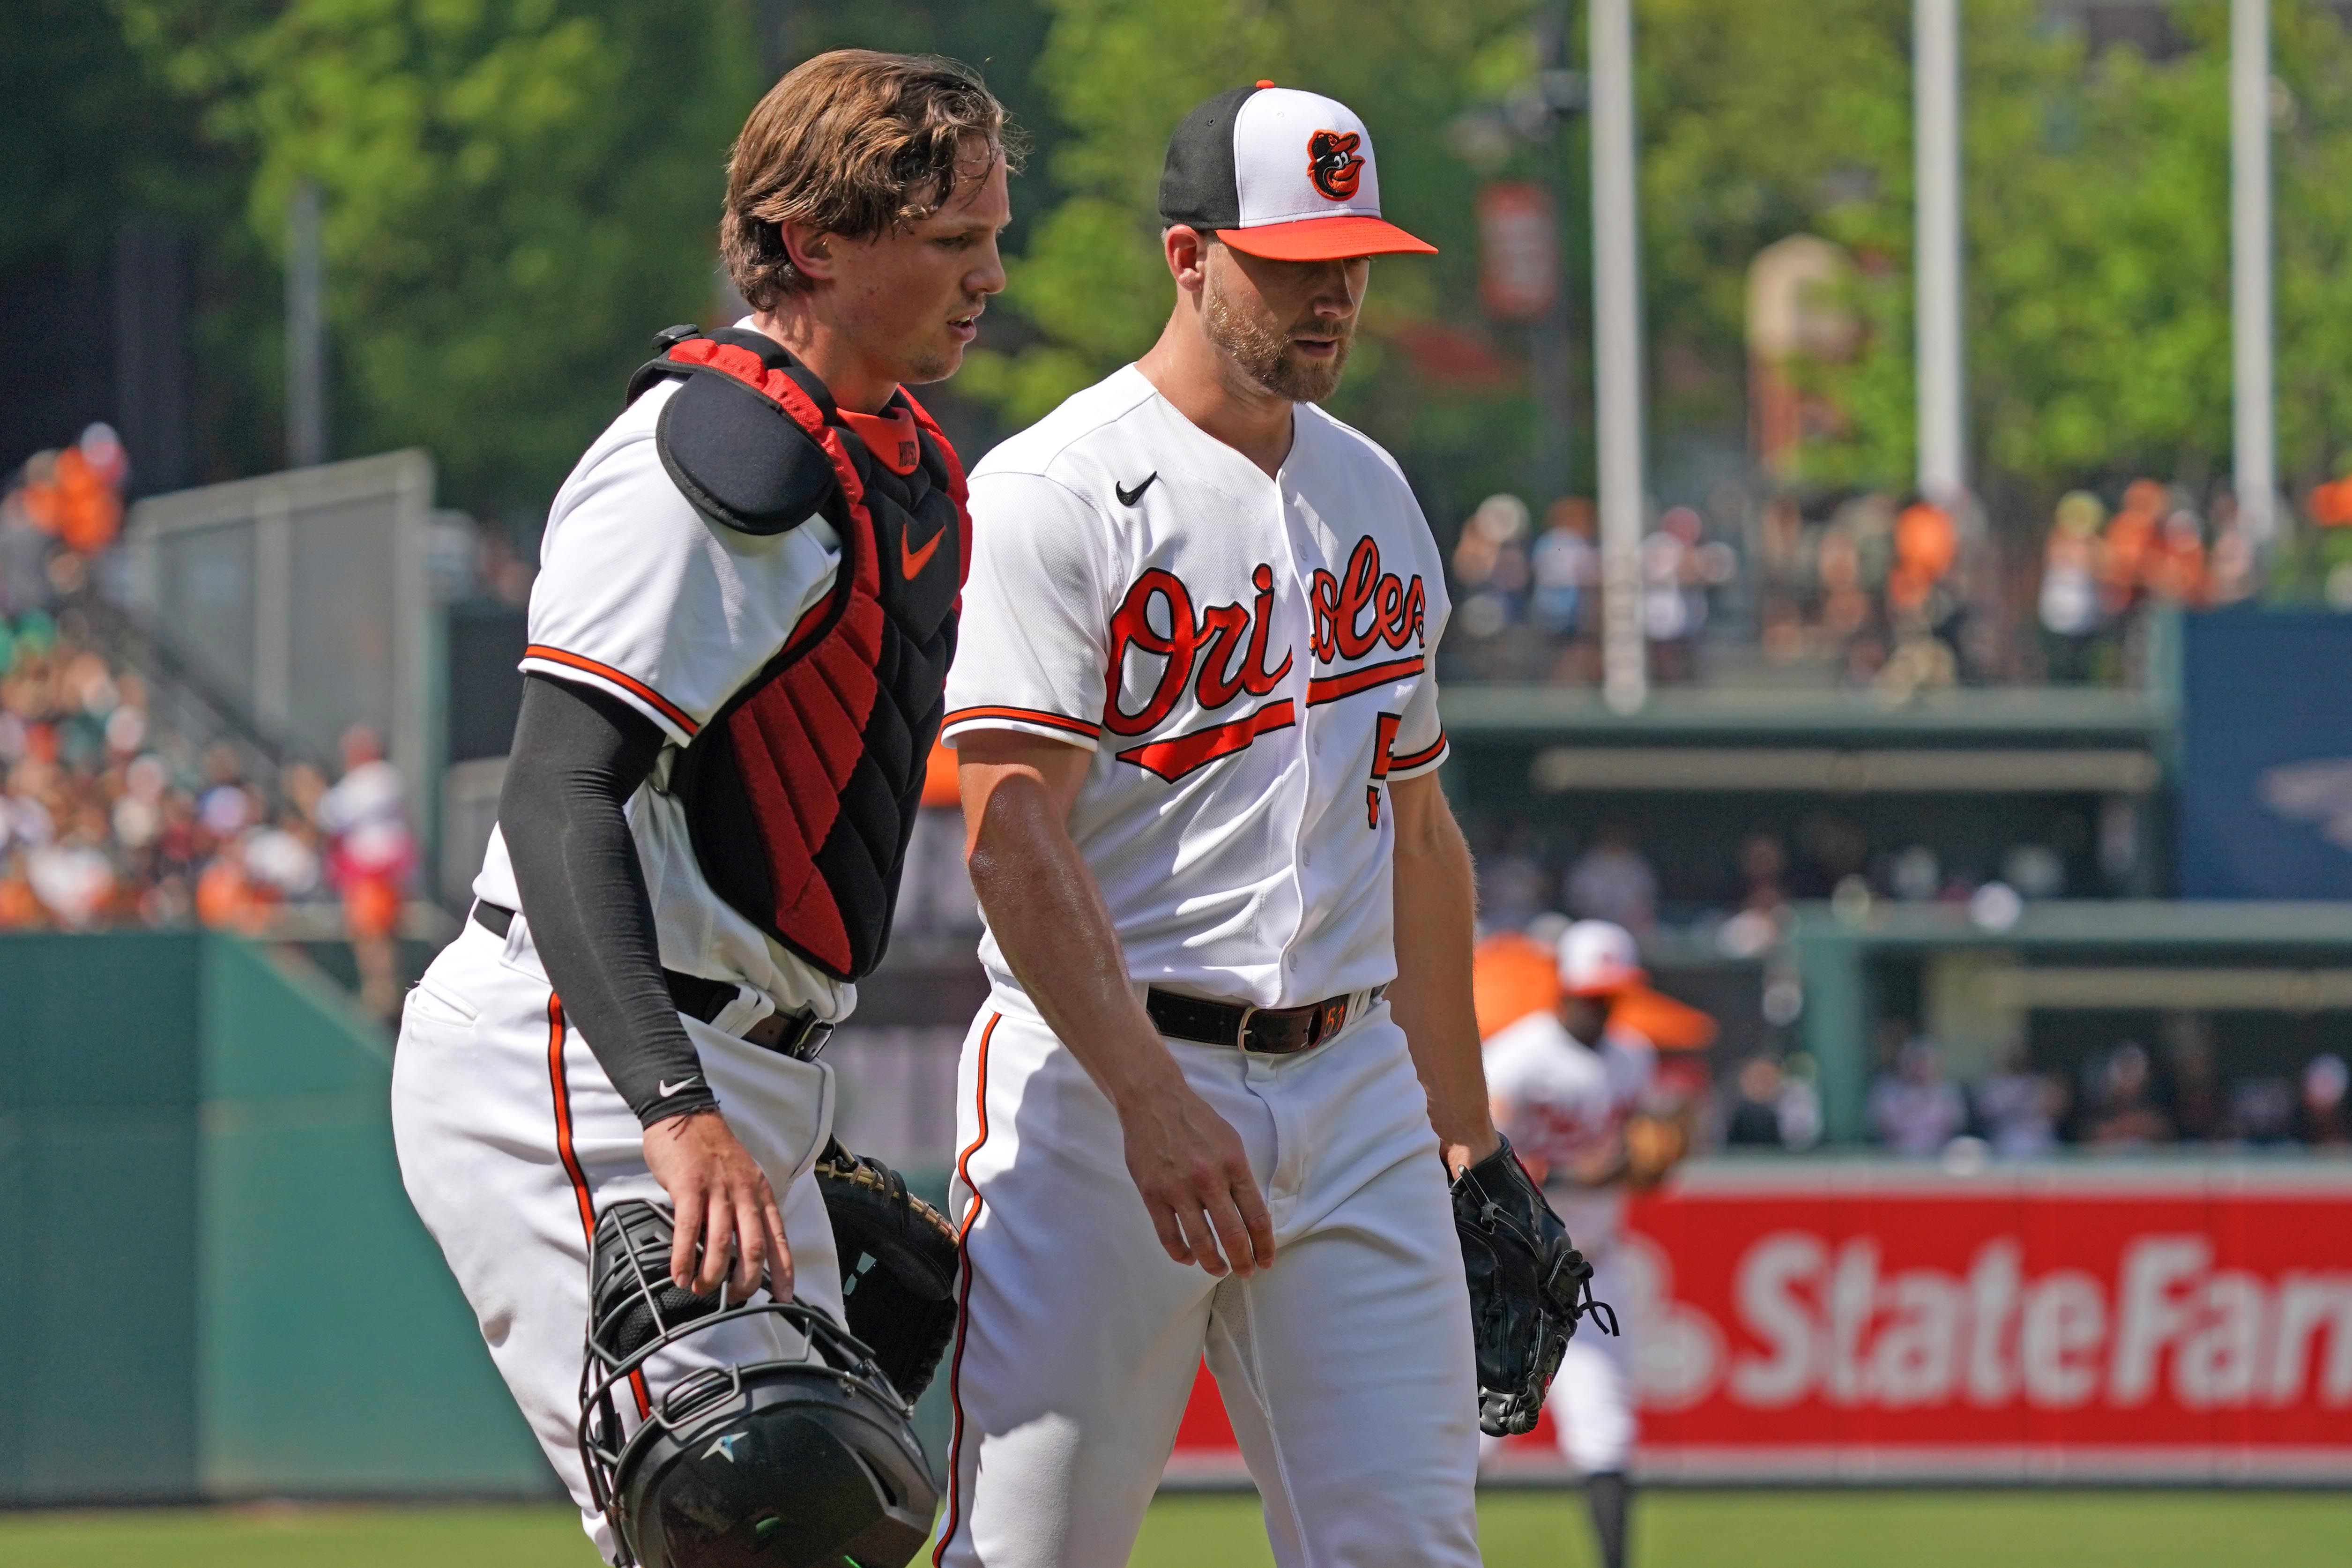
[803,1463]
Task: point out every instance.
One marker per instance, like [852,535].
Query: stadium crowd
[1868,590]
[2121,1098]
[110,817]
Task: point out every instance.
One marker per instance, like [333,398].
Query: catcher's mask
[809,1462]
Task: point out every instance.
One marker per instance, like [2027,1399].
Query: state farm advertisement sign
[1869,1320]
[1876,1321]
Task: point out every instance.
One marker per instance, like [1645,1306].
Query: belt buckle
[1242,1035]
[814,1036]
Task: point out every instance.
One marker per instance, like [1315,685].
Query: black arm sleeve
[579,755]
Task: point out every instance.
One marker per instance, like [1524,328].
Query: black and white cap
[1281,174]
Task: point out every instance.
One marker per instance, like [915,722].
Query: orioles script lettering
[1222,651]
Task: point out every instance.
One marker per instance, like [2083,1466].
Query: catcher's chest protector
[801,793]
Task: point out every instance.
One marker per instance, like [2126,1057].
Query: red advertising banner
[1518,250]
[1869,1320]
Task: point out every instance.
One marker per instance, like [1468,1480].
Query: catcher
[738,640]
[1567,1084]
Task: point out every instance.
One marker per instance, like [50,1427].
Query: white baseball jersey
[1567,1102]
[1249,659]
[642,597]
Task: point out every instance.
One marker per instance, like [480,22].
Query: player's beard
[1265,353]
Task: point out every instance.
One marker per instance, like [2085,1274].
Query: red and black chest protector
[801,793]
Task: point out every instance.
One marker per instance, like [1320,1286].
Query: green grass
[1520,1530]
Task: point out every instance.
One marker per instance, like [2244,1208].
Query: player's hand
[723,1205]
[1194,1175]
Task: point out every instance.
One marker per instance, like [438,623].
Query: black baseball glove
[1528,1288]
[898,1266]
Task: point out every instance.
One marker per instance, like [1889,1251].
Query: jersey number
[1384,735]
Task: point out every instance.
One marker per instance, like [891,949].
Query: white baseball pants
[1346,1366]
[510,1137]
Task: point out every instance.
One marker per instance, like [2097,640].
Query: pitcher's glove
[1528,1288]
[898,1266]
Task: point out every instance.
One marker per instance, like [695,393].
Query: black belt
[802,1036]
[1262,1031]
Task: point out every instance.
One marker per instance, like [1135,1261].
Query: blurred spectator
[228,898]
[1927,547]
[1754,1119]
[1491,570]
[2020,1110]
[2175,572]
[1913,1110]
[2321,1120]
[76,496]
[2124,1112]
[2200,1113]
[1674,602]
[1567,568]
[2262,1110]
[1611,881]
[371,853]
[2070,586]
[1800,1104]
[2130,535]
[1757,924]
[1513,890]
[62,508]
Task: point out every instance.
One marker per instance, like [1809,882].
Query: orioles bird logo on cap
[1333,164]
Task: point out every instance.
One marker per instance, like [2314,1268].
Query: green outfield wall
[214,1286]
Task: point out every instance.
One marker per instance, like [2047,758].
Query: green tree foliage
[1121,73]
[2096,213]
[2104,248]
[517,194]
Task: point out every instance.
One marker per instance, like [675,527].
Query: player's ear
[811,249]
[1187,251]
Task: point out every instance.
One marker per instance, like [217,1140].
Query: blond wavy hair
[852,142]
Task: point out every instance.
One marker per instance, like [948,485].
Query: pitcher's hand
[1194,1175]
[722,1200]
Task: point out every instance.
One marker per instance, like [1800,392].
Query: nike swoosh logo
[914,561]
[1127,498]
[680,1087]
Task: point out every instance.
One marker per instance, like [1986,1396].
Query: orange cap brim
[1608,983]
[1326,239]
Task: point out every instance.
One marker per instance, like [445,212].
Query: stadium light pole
[1617,356]
[306,331]
[2255,475]
[1942,371]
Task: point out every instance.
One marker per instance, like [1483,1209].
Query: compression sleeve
[579,754]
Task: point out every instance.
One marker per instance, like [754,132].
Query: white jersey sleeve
[1033,646]
[640,595]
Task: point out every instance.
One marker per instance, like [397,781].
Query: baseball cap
[1280,174]
[1598,958]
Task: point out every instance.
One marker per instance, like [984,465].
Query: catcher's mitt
[1654,1144]
[898,1266]
[1528,1287]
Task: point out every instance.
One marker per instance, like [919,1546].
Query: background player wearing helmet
[607,1027]
[1564,1082]
[1198,733]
